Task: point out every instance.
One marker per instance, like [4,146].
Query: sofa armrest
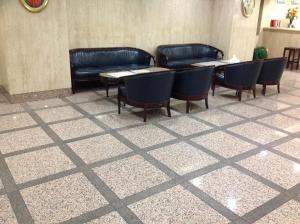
[220,55]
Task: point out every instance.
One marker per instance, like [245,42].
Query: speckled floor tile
[153,115]
[84,97]
[35,105]
[219,100]
[282,122]
[223,144]
[131,175]
[38,164]
[195,106]
[99,148]
[97,107]
[58,114]
[268,104]
[182,158]
[7,108]
[238,192]
[296,92]
[176,206]
[111,218]
[115,120]
[7,216]
[291,148]
[286,98]
[245,110]
[1,185]
[185,126]
[75,128]
[257,132]
[217,117]
[62,199]
[146,135]
[289,213]
[293,112]
[281,171]
[14,121]
[20,140]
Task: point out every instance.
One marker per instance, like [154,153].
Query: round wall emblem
[248,7]
[34,5]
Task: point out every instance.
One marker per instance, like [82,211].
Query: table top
[213,63]
[122,74]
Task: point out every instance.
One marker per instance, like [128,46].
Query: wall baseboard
[25,97]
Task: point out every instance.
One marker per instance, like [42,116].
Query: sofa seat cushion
[188,62]
[93,72]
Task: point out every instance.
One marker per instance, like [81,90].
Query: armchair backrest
[193,82]
[272,70]
[150,88]
[103,57]
[242,75]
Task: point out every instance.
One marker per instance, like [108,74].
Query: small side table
[293,57]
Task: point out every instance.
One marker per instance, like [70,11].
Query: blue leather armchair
[239,76]
[87,63]
[271,73]
[192,85]
[147,91]
[181,56]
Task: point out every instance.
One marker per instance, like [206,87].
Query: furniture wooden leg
[298,60]
[240,95]
[206,102]
[278,87]
[169,109]
[254,93]
[145,114]
[293,60]
[187,106]
[119,105]
[289,59]
[264,89]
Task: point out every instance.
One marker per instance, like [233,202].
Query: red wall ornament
[34,5]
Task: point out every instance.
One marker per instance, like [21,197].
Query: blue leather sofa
[87,63]
[181,56]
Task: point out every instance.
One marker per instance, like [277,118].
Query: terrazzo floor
[75,160]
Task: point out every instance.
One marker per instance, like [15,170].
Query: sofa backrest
[105,57]
[187,51]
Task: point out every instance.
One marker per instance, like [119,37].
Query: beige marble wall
[233,32]
[36,47]
[139,23]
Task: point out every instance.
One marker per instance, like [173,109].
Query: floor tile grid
[10,189]
[172,175]
[224,164]
[108,194]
